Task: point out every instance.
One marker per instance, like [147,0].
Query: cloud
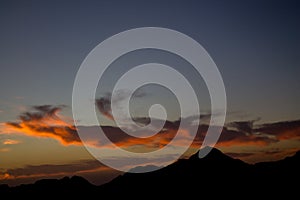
[281,130]
[122,139]
[243,126]
[82,165]
[156,141]
[53,169]
[104,103]
[234,134]
[11,142]
[4,149]
[247,133]
[230,137]
[44,121]
[104,106]
[238,138]
[130,163]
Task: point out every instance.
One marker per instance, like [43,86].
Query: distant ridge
[214,174]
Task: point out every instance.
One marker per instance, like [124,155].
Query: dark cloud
[247,133]
[14,124]
[281,130]
[237,138]
[272,152]
[143,121]
[104,103]
[40,112]
[242,126]
[104,106]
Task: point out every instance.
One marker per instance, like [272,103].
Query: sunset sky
[255,44]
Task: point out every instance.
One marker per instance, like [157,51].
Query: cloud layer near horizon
[35,172]
[45,121]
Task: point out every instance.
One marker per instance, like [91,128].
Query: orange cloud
[156,141]
[5,176]
[4,149]
[11,142]
[289,134]
[44,121]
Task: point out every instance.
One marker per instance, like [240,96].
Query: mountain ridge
[214,172]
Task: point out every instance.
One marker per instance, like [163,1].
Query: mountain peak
[209,153]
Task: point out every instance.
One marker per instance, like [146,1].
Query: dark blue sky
[255,45]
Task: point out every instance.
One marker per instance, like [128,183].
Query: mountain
[214,175]
[211,172]
[73,186]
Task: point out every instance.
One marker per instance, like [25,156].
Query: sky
[255,45]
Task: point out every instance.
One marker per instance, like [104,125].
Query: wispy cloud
[236,138]
[281,130]
[4,149]
[247,132]
[242,126]
[52,169]
[11,142]
[263,154]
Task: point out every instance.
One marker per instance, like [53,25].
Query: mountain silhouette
[73,186]
[214,175]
